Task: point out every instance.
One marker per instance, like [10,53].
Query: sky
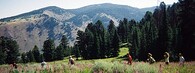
[10,8]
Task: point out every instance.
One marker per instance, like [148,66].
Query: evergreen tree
[111,33]
[59,53]
[160,16]
[81,44]
[91,50]
[116,41]
[76,51]
[36,54]
[11,48]
[64,45]
[2,55]
[48,50]
[30,56]
[122,31]
[186,24]
[101,35]
[24,58]
[136,42]
[132,23]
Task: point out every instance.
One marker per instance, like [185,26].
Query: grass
[99,66]
[109,65]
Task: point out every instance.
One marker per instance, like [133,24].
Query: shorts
[167,63]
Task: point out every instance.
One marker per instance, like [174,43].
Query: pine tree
[111,32]
[12,50]
[186,18]
[76,51]
[101,33]
[116,41]
[36,54]
[30,56]
[59,53]
[48,50]
[2,56]
[89,43]
[81,44]
[24,58]
[64,44]
[136,42]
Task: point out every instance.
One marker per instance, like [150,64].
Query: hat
[149,54]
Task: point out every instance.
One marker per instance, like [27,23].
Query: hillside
[34,27]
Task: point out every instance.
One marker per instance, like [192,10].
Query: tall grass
[145,68]
[100,66]
[117,67]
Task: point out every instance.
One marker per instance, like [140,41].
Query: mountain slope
[34,27]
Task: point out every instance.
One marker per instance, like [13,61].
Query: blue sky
[15,7]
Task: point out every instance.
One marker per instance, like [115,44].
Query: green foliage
[59,53]
[49,50]
[2,56]
[36,54]
[30,56]
[64,45]
[76,51]
[101,66]
[145,68]
[186,25]
[115,43]
[96,42]
[9,50]
[24,58]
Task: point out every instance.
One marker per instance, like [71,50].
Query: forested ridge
[167,29]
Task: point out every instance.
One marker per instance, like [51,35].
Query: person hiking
[166,55]
[43,64]
[181,60]
[15,65]
[129,59]
[71,61]
[150,59]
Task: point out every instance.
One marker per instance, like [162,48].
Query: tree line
[9,51]
[167,29]
[95,42]
[49,51]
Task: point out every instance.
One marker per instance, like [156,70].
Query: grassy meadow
[109,65]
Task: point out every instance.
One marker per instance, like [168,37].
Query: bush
[101,66]
[145,68]
[118,67]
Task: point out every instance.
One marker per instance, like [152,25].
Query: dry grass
[99,66]
[109,65]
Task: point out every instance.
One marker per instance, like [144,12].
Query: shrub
[101,66]
[145,68]
[118,67]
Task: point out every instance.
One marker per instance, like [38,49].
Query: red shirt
[130,58]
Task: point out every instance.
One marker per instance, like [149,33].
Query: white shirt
[167,59]
[181,59]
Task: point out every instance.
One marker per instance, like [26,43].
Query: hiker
[181,60]
[166,55]
[71,60]
[14,65]
[150,59]
[43,64]
[129,59]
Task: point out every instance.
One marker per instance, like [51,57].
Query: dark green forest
[168,29]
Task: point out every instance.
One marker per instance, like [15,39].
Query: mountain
[34,27]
